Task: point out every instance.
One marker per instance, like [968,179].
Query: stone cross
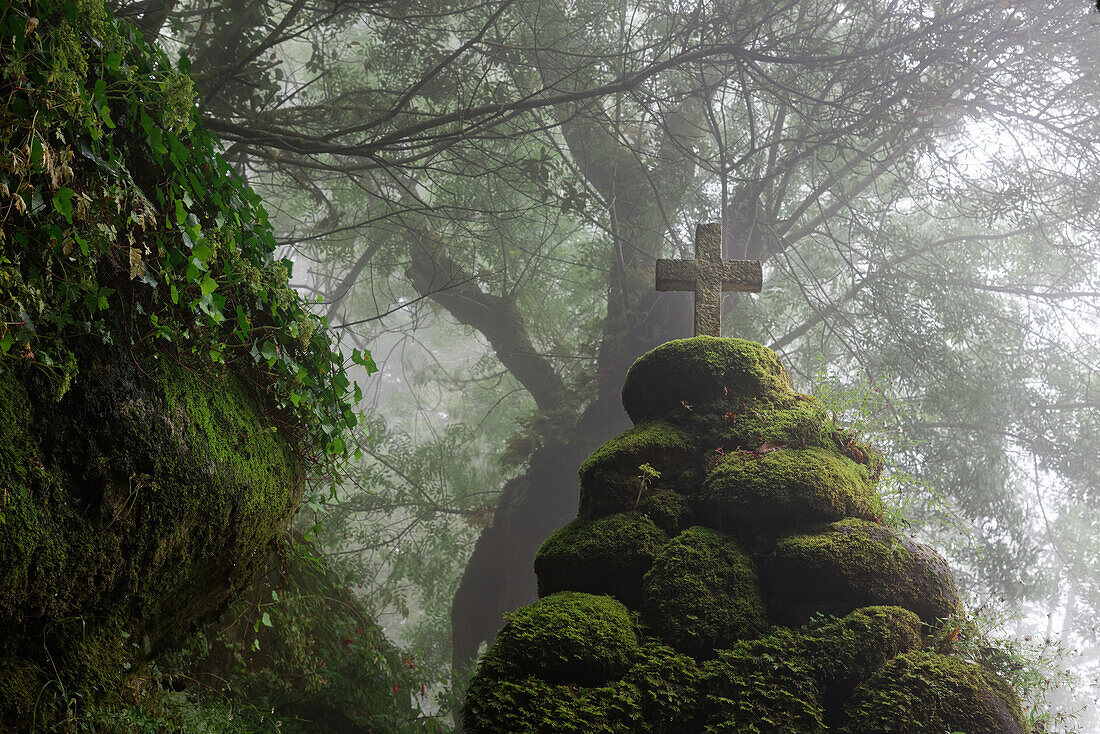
[709,275]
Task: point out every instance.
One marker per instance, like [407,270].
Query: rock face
[130,510]
[713,539]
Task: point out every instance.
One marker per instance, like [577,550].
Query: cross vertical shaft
[709,276]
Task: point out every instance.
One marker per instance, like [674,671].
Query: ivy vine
[120,220]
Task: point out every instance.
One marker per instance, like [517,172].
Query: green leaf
[6,341]
[266,620]
[63,203]
[36,151]
[208,285]
[201,251]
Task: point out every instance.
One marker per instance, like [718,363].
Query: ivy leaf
[201,251]
[207,285]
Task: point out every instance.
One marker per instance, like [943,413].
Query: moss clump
[569,637]
[131,510]
[668,509]
[848,650]
[700,371]
[612,478]
[702,593]
[789,488]
[762,687]
[921,692]
[851,564]
[608,555]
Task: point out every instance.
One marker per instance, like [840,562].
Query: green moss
[607,556]
[612,479]
[793,419]
[569,637]
[702,593]
[851,564]
[923,692]
[668,509]
[699,371]
[847,651]
[131,510]
[658,695]
[787,487]
[762,687]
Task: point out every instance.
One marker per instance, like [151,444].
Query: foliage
[913,177]
[297,654]
[123,222]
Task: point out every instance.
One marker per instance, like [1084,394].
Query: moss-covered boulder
[848,650]
[779,605]
[130,510]
[608,556]
[570,638]
[786,487]
[762,687]
[702,593]
[618,475]
[922,692]
[700,372]
[851,564]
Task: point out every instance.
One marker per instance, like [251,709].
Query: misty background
[477,192]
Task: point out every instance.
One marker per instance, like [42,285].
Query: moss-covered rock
[608,556]
[130,510]
[702,593]
[922,692]
[849,650]
[700,371]
[787,487]
[569,638]
[762,686]
[612,478]
[658,695]
[851,564]
[730,448]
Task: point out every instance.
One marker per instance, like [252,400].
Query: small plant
[646,476]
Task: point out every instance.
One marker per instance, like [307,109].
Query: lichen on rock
[779,605]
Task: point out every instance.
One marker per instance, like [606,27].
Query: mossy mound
[853,563]
[133,508]
[779,505]
[700,371]
[786,487]
[570,638]
[613,479]
[922,692]
[849,650]
[607,556]
[702,593]
[762,688]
